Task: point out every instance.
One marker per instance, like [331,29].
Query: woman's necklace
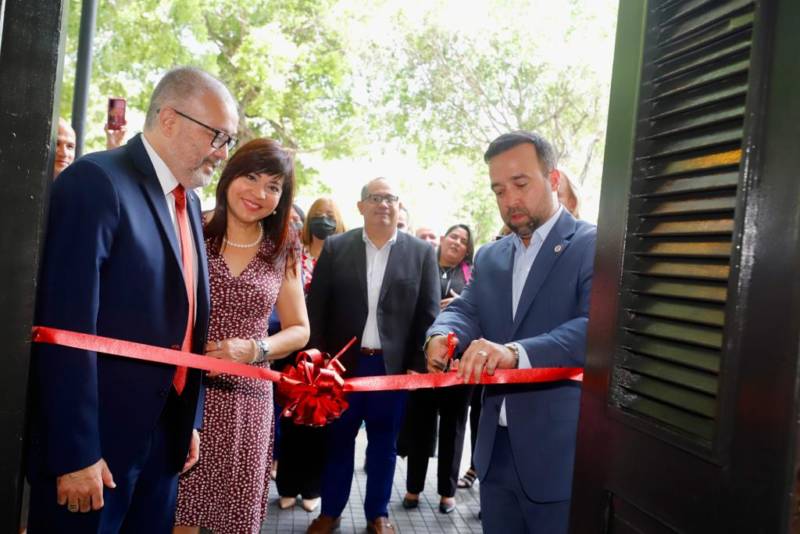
[246,245]
[447,276]
[446,272]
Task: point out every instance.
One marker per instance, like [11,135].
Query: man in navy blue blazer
[110,435]
[526,306]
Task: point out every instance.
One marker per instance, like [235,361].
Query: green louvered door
[674,436]
[678,248]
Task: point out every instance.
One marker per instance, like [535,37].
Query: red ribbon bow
[312,392]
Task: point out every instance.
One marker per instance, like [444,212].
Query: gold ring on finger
[72,507]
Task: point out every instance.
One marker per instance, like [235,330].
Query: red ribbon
[314,390]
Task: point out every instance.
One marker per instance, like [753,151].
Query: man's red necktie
[181,215]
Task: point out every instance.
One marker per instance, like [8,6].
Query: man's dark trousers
[382,412]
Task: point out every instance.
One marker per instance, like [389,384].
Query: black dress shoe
[446,508]
[410,504]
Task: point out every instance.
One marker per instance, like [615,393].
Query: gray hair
[181,84]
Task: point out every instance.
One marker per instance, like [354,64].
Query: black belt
[371,352]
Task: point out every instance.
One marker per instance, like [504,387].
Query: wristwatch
[263,350]
[428,339]
[514,348]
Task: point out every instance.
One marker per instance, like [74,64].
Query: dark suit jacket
[112,267]
[408,303]
[551,321]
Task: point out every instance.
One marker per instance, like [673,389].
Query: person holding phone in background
[115,123]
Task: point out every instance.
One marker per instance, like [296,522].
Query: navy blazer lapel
[154,193]
[552,248]
[392,265]
[504,278]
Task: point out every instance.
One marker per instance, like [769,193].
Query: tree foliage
[454,93]
[282,60]
[451,92]
[319,77]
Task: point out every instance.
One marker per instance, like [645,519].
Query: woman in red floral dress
[253,265]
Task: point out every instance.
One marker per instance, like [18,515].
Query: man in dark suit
[527,306]
[124,258]
[381,286]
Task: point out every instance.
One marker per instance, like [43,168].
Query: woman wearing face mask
[300,468]
[323,220]
[418,437]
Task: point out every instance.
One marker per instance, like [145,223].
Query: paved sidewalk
[424,519]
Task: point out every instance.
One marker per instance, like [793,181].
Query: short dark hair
[259,156]
[507,141]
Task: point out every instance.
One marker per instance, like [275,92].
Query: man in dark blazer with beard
[526,306]
[124,258]
[382,287]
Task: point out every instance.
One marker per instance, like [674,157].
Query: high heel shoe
[410,503]
[285,503]
[448,506]
[309,505]
[468,480]
[273,472]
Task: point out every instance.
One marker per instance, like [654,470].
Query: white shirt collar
[165,177]
[366,238]
[542,232]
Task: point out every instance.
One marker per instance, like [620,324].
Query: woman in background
[418,437]
[297,218]
[324,220]
[568,194]
[302,458]
[252,266]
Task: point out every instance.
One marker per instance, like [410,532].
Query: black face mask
[321,227]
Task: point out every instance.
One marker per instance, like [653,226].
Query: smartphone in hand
[116,113]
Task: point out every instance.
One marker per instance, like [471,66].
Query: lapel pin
[558,249]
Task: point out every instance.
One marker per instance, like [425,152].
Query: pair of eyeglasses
[377,199]
[220,138]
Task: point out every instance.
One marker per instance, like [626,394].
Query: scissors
[451,349]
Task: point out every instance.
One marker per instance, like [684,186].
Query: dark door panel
[689,408]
